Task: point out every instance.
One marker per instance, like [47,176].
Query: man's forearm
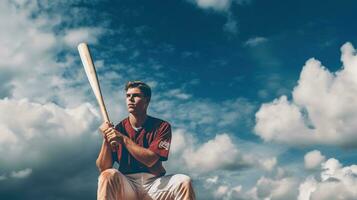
[143,155]
[104,160]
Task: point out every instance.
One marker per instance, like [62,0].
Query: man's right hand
[104,127]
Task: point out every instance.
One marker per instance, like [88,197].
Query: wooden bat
[93,80]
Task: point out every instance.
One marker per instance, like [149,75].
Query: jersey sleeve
[162,141]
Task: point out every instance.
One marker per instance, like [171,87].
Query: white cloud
[201,113]
[2,177]
[306,188]
[285,188]
[177,93]
[266,189]
[29,62]
[269,164]
[218,153]
[323,108]
[336,182]
[26,125]
[21,174]
[212,180]
[218,5]
[313,159]
[231,25]
[221,191]
[84,34]
[252,42]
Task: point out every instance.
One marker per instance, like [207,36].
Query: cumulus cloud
[220,153]
[335,182]
[267,188]
[45,138]
[322,110]
[22,173]
[313,159]
[269,164]
[26,125]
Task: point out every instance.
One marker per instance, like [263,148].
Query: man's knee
[184,190]
[109,174]
[184,180]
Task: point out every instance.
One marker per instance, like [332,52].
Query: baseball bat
[93,80]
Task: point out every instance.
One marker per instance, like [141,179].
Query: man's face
[136,102]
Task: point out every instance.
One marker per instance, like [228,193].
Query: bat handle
[114,145]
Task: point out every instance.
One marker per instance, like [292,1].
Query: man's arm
[104,160]
[143,155]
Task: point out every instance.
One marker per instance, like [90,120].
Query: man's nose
[131,98]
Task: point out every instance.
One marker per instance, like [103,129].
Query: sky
[261,95]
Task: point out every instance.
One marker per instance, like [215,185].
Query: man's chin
[132,111]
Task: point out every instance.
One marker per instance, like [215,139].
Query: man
[142,143]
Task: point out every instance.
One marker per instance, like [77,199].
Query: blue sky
[261,94]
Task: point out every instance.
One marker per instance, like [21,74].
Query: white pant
[113,185]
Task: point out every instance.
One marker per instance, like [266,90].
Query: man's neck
[137,120]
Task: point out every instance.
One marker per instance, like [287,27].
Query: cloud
[177,93]
[27,125]
[218,5]
[269,164]
[220,153]
[22,173]
[265,188]
[84,34]
[45,138]
[285,188]
[336,182]
[252,42]
[200,114]
[313,159]
[221,191]
[222,6]
[322,110]
[206,157]
[2,177]
[231,25]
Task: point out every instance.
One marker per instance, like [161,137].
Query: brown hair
[144,88]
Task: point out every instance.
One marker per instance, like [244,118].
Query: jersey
[155,135]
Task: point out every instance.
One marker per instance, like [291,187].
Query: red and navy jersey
[155,135]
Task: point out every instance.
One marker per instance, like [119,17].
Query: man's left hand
[113,135]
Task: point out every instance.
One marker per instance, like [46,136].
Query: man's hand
[113,135]
[105,126]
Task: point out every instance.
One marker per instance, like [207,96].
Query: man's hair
[144,88]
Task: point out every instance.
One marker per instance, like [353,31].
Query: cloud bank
[323,108]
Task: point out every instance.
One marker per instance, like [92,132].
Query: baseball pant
[113,185]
